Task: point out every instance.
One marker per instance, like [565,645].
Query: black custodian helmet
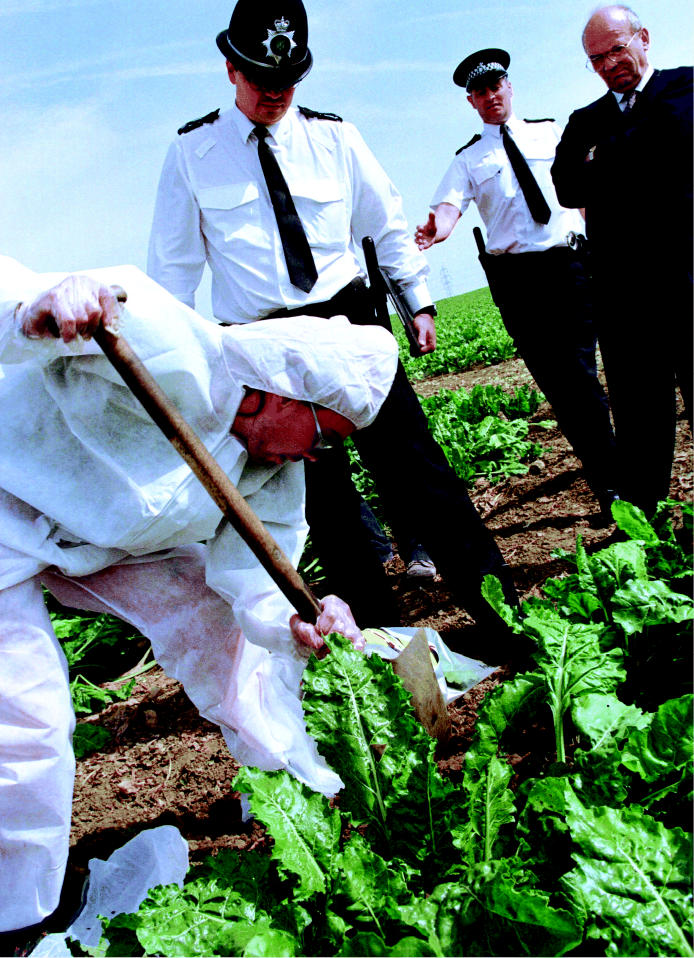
[267,41]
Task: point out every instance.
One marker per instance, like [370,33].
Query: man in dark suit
[627,160]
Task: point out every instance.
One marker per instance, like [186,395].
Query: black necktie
[297,252]
[537,204]
[629,99]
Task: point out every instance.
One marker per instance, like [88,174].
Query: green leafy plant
[570,659]
[483,401]
[593,854]
[88,697]
[82,634]
[484,433]
[101,645]
[89,738]
[469,332]
[404,864]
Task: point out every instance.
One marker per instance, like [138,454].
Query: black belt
[556,252]
[504,270]
[340,303]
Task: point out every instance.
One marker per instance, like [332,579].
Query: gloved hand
[74,307]
[335,616]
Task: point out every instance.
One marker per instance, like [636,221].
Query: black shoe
[418,569]
[604,517]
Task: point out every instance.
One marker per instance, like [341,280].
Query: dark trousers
[546,303]
[419,491]
[645,333]
[417,487]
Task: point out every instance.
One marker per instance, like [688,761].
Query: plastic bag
[455,673]
[156,856]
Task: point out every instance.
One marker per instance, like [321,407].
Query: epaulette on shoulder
[195,124]
[475,138]
[315,115]
[545,119]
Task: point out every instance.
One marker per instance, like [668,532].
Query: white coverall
[98,506]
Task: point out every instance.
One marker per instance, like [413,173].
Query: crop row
[469,332]
[591,855]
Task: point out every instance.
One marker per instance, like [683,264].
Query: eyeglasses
[598,60]
[320,442]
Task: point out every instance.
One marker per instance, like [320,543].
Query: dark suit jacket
[637,189]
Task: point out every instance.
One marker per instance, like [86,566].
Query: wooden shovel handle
[163,412]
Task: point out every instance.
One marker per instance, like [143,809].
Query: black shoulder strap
[546,119]
[194,124]
[315,115]
[475,138]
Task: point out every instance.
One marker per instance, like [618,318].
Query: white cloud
[99,68]
[198,68]
[95,69]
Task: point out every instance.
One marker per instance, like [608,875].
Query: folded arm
[573,170]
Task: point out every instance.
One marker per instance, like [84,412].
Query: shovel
[416,673]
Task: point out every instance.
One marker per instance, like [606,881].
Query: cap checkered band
[483,68]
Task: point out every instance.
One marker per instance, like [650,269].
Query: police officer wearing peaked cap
[538,280]
[215,204]
[481,68]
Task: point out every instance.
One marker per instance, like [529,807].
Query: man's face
[276,430]
[259,104]
[604,34]
[493,102]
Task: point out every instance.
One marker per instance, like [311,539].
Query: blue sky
[94,90]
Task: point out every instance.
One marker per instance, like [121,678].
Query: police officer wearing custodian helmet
[276,198]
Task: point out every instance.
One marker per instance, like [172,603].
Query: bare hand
[426,332]
[75,307]
[335,616]
[425,235]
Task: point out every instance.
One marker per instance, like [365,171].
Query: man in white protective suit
[97,506]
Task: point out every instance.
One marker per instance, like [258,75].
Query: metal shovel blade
[415,669]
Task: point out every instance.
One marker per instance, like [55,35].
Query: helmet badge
[280,41]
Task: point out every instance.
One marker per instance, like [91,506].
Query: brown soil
[166,765]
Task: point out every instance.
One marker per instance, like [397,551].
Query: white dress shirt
[482,173]
[213,205]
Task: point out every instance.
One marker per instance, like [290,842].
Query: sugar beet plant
[469,332]
[94,646]
[590,856]
[483,432]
